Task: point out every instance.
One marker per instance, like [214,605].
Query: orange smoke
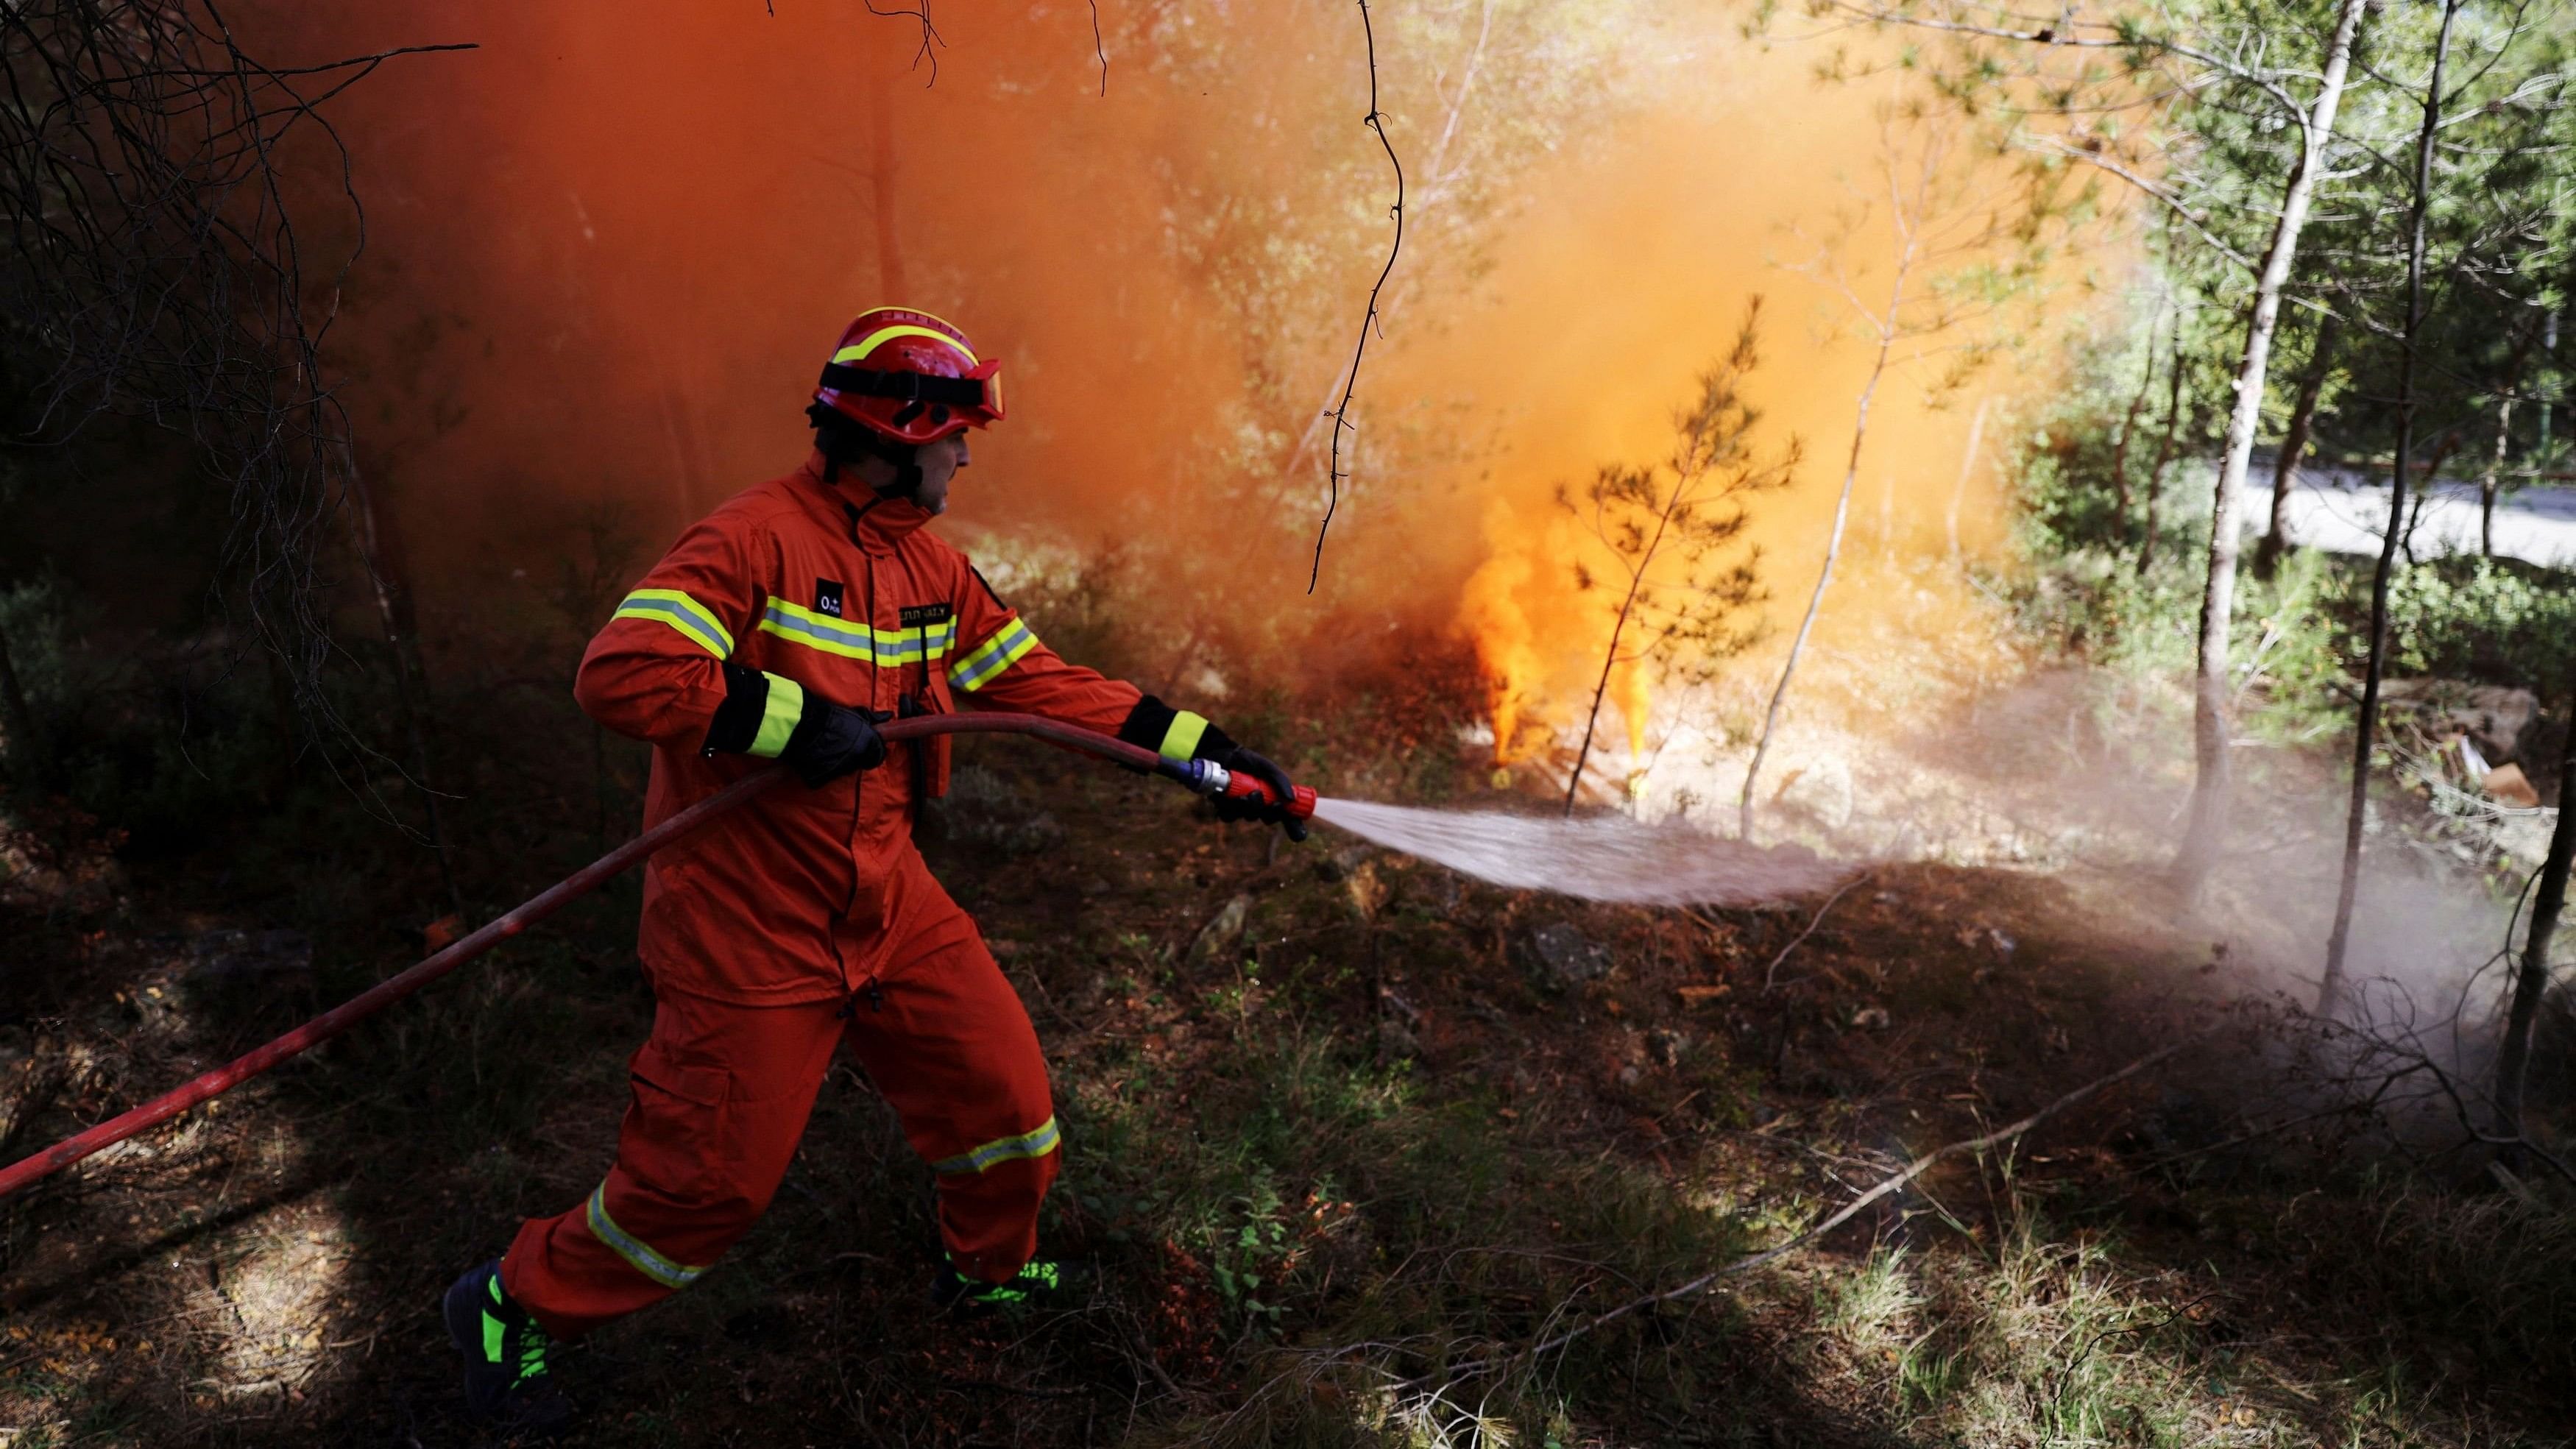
[606,256]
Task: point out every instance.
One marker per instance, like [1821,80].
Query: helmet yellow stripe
[858,351]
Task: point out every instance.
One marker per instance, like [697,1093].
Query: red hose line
[528,913]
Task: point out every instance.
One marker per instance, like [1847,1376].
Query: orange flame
[1505,643]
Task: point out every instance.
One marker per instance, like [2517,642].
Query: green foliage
[1466,1222]
[2492,620]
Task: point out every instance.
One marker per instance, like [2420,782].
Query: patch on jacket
[827,597]
[922,616]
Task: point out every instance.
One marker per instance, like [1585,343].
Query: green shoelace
[1032,1276]
[496,1339]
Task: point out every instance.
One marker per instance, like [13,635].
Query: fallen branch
[1772,971]
[1852,1209]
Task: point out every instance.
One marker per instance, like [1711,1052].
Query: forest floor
[1346,1136]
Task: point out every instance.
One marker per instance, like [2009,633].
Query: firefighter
[786,626]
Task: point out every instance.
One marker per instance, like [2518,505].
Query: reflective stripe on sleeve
[1181,741]
[991,657]
[1036,1142]
[637,1254]
[778,717]
[691,618]
[814,630]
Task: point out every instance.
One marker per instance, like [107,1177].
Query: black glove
[1239,761]
[1156,726]
[833,740]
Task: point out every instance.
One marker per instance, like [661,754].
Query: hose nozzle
[1207,777]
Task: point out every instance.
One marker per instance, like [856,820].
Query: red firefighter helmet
[910,377]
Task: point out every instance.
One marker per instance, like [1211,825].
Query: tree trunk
[1600,691]
[2210,705]
[2549,383]
[2443,448]
[2294,447]
[2128,427]
[2330,990]
[2487,484]
[381,553]
[1967,469]
[290,736]
[2165,448]
[1618,627]
[1833,550]
[2547,902]
[25,758]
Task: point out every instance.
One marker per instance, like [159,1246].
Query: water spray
[1607,858]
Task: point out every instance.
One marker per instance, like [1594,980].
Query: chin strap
[841,441]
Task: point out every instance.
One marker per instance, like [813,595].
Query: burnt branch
[1375,120]
[1098,49]
[931,39]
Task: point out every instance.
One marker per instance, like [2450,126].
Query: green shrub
[2493,620]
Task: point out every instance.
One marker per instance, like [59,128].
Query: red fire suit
[807,919]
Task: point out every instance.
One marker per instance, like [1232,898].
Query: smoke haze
[608,250]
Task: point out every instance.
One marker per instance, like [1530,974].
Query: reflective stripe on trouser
[719,1096]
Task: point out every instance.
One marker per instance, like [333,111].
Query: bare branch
[1375,120]
[2052,146]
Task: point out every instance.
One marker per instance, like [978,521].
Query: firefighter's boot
[506,1381]
[1040,1285]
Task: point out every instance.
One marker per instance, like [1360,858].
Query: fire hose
[1202,776]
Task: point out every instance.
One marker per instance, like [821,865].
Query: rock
[1821,790]
[1665,1047]
[2524,838]
[1366,891]
[225,956]
[1337,867]
[1558,956]
[1221,932]
[2495,717]
[1394,1043]
[2508,786]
